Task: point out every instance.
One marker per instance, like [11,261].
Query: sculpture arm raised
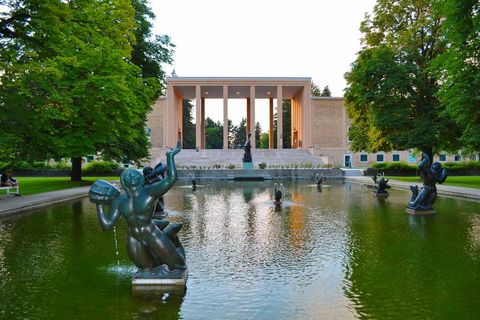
[424,162]
[108,220]
[158,189]
[443,177]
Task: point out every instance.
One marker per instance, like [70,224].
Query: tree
[189,133]
[240,133]
[315,91]
[213,134]
[232,130]
[150,51]
[391,90]
[67,66]
[326,92]
[264,140]
[458,69]
[258,132]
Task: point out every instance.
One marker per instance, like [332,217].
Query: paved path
[13,204]
[469,193]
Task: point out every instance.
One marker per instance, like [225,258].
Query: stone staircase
[211,157]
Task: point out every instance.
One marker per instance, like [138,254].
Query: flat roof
[235,79]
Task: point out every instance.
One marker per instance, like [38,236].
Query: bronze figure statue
[152,245]
[247,156]
[380,184]
[152,175]
[432,174]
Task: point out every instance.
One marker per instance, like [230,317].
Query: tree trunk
[76,174]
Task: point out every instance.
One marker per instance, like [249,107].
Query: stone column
[203,121]
[252,116]
[247,125]
[198,117]
[225,117]
[279,117]
[270,132]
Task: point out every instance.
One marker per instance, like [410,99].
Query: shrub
[100,167]
[394,166]
[231,166]
[217,166]
[262,165]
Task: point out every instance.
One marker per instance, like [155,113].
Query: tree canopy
[391,93]
[458,68]
[70,86]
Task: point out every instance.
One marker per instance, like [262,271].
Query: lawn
[32,185]
[460,181]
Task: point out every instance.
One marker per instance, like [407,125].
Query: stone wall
[155,122]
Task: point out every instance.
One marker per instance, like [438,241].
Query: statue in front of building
[152,175]
[152,245]
[432,173]
[247,147]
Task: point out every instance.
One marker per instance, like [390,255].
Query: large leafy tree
[458,68]
[391,93]
[67,67]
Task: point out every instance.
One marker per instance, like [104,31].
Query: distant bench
[10,188]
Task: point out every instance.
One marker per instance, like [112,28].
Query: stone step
[224,158]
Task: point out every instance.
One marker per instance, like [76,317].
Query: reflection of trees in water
[411,267]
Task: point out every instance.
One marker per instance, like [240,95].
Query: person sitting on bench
[8,180]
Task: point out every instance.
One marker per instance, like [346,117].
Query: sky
[262,38]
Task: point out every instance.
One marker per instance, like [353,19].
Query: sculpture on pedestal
[152,245]
[381,184]
[432,174]
[247,156]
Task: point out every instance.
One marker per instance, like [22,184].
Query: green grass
[32,185]
[460,181]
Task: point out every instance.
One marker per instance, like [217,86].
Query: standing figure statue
[380,184]
[152,245]
[432,173]
[155,175]
[247,156]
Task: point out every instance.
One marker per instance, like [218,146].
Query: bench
[9,188]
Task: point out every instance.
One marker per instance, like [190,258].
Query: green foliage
[458,68]
[262,165]
[70,86]
[264,140]
[462,165]
[391,93]
[97,167]
[315,90]
[213,134]
[394,166]
[326,92]
[231,166]
[189,133]
[258,132]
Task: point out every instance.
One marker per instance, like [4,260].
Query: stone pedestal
[248,165]
[414,212]
[381,195]
[160,279]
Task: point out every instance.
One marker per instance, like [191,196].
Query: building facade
[318,124]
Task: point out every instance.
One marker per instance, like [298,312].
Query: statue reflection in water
[152,245]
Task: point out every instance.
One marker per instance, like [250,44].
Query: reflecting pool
[338,253]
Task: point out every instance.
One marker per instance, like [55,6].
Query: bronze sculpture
[152,175]
[380,184]
[247,156]
[432,173]
[152,245]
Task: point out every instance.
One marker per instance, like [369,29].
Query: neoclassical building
[318,124]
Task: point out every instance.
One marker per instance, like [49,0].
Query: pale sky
[262,38]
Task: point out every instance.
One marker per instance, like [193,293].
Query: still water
[335,254]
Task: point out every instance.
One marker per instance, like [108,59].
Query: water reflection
[339,254]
